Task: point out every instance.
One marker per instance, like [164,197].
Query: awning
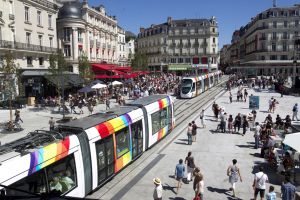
[35,72]
[70,79]
[178,67]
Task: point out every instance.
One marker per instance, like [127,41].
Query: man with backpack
[259,183]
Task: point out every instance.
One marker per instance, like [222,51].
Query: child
[271,195]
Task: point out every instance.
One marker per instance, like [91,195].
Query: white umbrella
[292,140]
[99,86]
[116,83]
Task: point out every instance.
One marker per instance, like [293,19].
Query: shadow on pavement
[218,190]
[257,155]
[168,187]
[245,146]
[183,143]
[177,198]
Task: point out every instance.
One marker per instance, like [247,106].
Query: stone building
[174,44]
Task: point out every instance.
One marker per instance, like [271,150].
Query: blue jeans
[189,139]
[256,142]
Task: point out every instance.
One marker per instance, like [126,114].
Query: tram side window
[194,87]
[33,184]
[170,115]
[160,119]
[122,138]
[198,85]
[62,175]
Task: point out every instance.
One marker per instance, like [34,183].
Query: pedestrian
[234,174]
[288,190]
[202,114]
[80,105]
[230,124]
[271,195]
[179,174]
[237,123]
[215,109]
[256,135]
[198,184]
[223,119]
[295,112]
[157,193]
[245,125]
[245,95]
[189,161]
[259,183]
[107,103]
[270,104]
[90,107]
[194,131]
[51,124]
[230,97]
[189,133]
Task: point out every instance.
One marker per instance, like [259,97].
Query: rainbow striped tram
[194,86]
[84,154]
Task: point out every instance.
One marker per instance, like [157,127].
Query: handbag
[197,198]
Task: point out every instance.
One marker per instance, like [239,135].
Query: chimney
[169,20]
[142,29]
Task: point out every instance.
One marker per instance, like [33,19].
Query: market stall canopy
[116,83]
[292,140]
[99,86]
[86,89]
[68,78]
[96,81]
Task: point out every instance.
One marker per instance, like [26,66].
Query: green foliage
[85,70]
[140,62]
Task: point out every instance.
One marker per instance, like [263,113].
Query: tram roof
[98,118]
[147,100]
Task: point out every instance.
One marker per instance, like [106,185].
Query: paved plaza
[213,153]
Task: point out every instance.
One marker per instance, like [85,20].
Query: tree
[85,70]
[58,69]
[140,62]
[9,71]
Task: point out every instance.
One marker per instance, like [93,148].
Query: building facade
[130,40]
[269,44]
[173,45]
[28,31]
[121,50]
[87,31]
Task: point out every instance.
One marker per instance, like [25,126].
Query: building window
[274,24]
[51,41]
[296,23]
[188,60]
[0,33]
[262,57]
[214,50]
[214,40]
[180,60]
[67,51]
[50,21]
[273,57]
[26,14]
[285,35]
[39,18]
[40,40]
[273,47]
[213,30]
[67,34]
[29,60]
[283,57]
[41,61]
[285,24]
[28,37]
[274,36]
[284,46]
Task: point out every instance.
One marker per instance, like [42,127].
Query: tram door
[198,87]
[105,158]
[137,138]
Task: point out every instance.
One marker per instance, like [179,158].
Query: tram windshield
[186,85]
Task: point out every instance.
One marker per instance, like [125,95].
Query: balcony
[274,38]
[11,17]
[80,40]
[263,38]
[25,46]
[67,39]
[103,45]
[196,44]
[46,4]
[98,44]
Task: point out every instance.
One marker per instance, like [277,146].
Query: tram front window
[186,86]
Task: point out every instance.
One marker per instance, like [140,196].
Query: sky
[230,14]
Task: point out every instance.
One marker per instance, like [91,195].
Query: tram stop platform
[213,153]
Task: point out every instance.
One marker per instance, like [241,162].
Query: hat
[157,181]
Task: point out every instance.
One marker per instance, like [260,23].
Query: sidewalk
[38,118]
[213,153]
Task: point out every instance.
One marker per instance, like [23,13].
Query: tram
[194,86]
[83,154]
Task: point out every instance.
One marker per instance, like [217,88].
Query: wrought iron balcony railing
[25,46]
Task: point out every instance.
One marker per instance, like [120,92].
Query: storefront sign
[253,102]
